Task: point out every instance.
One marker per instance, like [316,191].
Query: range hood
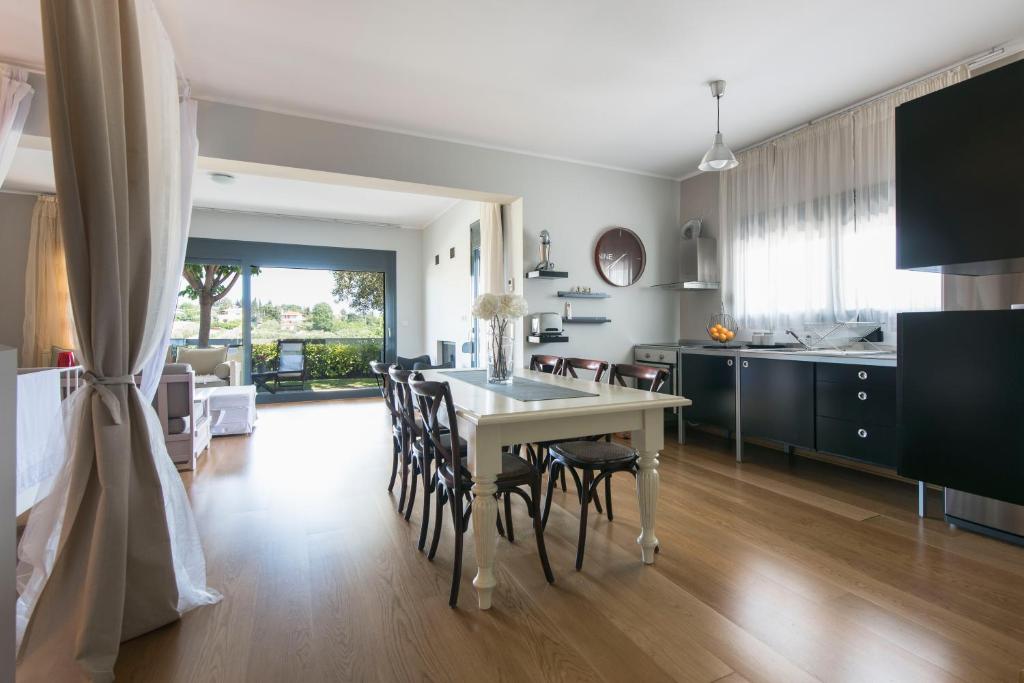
[698,260]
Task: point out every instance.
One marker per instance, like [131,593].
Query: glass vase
[499,354]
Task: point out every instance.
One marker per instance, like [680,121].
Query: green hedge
[324,361]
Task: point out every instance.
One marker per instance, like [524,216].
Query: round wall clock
[620,257]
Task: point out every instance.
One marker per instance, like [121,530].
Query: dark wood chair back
[404,401]
[386,387]
[435,399]
[639,373]
[571,365]
[543,363]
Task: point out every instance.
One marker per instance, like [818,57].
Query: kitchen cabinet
[856,412]
[777,400]
[710,382]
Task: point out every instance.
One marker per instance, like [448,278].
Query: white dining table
[489,420]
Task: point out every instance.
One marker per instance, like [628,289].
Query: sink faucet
[794,335]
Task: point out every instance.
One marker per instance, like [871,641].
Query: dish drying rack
[837,336]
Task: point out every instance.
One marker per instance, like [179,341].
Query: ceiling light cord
[718,113]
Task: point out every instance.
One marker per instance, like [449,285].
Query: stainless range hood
[698,260]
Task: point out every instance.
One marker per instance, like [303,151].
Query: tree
[208,283]
[322,317]
[363,292]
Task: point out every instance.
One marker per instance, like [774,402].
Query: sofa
[185,418]
[212,366]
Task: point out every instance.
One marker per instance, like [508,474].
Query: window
[809,225]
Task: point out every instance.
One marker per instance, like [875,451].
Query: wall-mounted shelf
[586,320]
[535,339]
[583,295]
[546,274]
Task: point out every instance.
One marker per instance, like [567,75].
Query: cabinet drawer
[876,444]
[861,375]
[868,403]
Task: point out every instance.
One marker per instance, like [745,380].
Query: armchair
[212,366]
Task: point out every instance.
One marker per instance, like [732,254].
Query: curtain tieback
[101,385]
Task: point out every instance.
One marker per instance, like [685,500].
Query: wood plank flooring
[766,573]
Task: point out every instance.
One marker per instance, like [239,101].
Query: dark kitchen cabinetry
[856,412]
[710,382]
[777,400]
[961,401]
[957,210]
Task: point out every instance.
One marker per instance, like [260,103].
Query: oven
[662,356]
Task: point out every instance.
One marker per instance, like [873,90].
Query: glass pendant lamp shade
[719,157]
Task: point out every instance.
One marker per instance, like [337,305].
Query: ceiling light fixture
[222,178]
[719,157]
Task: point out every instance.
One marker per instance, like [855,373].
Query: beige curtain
[492,249]
[15,100]
[47,304]
[105,547]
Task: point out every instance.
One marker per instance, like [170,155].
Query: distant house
[291,320]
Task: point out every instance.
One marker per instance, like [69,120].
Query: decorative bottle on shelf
[568,310]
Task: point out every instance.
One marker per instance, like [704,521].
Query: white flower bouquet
[500,310]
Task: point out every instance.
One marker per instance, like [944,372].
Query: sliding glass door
[304,322]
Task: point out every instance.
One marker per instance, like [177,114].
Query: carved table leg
[648,442]
[485,462]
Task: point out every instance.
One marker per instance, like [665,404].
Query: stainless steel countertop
[847,358]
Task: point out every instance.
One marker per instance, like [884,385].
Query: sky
[299,286]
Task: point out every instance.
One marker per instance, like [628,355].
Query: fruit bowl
[721,328]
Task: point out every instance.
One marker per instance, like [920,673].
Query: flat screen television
[960,176]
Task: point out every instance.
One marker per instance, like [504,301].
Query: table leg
[648,443]
[485,462]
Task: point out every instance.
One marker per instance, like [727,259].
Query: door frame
[272,255]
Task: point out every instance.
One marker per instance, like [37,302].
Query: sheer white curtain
[48,321]
[809,229]
[492,249]
[112,551]
[15,100]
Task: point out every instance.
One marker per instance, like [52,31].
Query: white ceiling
[607,82]
[32,171]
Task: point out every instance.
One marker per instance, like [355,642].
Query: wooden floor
[766,573]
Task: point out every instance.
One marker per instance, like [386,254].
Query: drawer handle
[862,374]
[862,433]
[746,364]
[729,362]
[862,395]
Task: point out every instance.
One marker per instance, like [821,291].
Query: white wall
[447,290]
[574,202]
[406,243]
[15,224]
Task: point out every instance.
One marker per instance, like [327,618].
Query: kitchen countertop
[847,358]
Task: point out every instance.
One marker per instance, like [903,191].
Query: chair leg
[498,523]
[538,529]
[608,496]
[405,479]
[425,521]
[508,518]
[439,498]
[587,475]
[394,466]
[551,490]
[412,489]
[453,598]
[562,474]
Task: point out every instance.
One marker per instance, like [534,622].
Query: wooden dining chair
[567,368]
[589,461]
[387,391]
[548,364]
[454,481]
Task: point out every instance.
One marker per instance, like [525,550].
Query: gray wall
[15,221]
[574,202]
[698,198]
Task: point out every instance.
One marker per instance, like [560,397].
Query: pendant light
[719,157]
